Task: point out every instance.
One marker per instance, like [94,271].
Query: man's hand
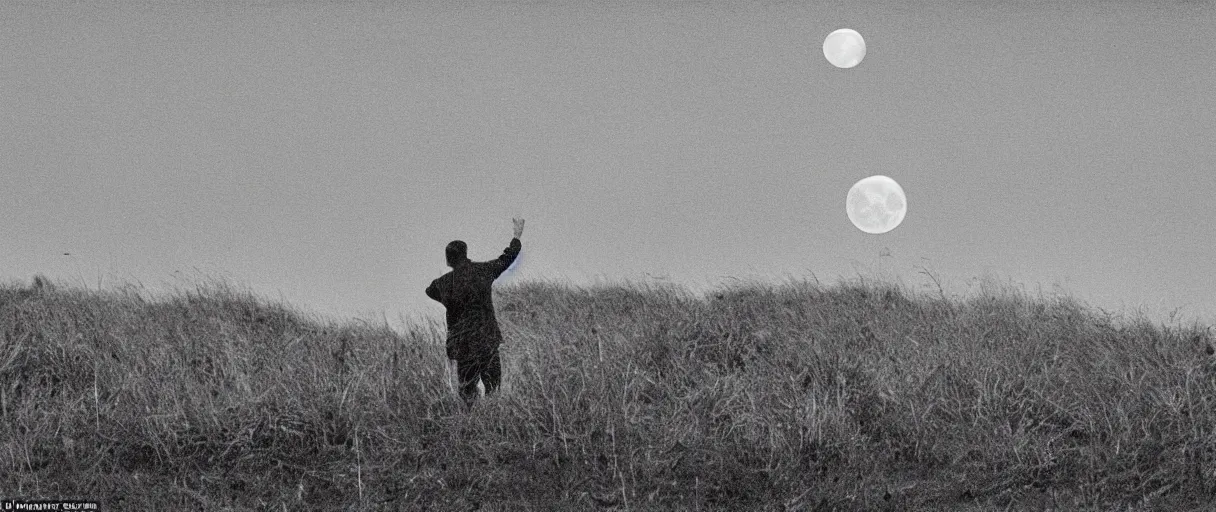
[519,227]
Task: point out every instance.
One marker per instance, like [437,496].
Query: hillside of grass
[858,396]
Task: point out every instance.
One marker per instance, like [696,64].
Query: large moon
[876,204]
[844,48]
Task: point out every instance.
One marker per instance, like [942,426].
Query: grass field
[860,396]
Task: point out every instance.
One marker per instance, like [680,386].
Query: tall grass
[858,396]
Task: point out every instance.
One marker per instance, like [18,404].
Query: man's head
[457,252]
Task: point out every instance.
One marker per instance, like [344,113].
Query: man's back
[466,294]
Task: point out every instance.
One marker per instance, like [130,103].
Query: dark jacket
[465,293]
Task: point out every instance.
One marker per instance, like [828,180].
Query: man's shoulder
[471,270]
[490,267]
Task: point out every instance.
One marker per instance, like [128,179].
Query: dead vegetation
[798,396]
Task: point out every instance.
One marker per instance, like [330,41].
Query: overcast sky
[325,152]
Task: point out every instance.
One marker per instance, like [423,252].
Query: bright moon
[876,204]
[844,48]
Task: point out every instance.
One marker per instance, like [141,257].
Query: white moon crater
[876,204]
[844,48]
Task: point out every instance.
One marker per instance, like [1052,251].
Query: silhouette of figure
[473,335]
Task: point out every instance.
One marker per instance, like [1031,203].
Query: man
[473,335]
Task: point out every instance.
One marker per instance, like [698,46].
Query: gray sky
[325,153]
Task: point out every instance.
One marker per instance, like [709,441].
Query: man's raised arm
[512,251]
[509,255]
